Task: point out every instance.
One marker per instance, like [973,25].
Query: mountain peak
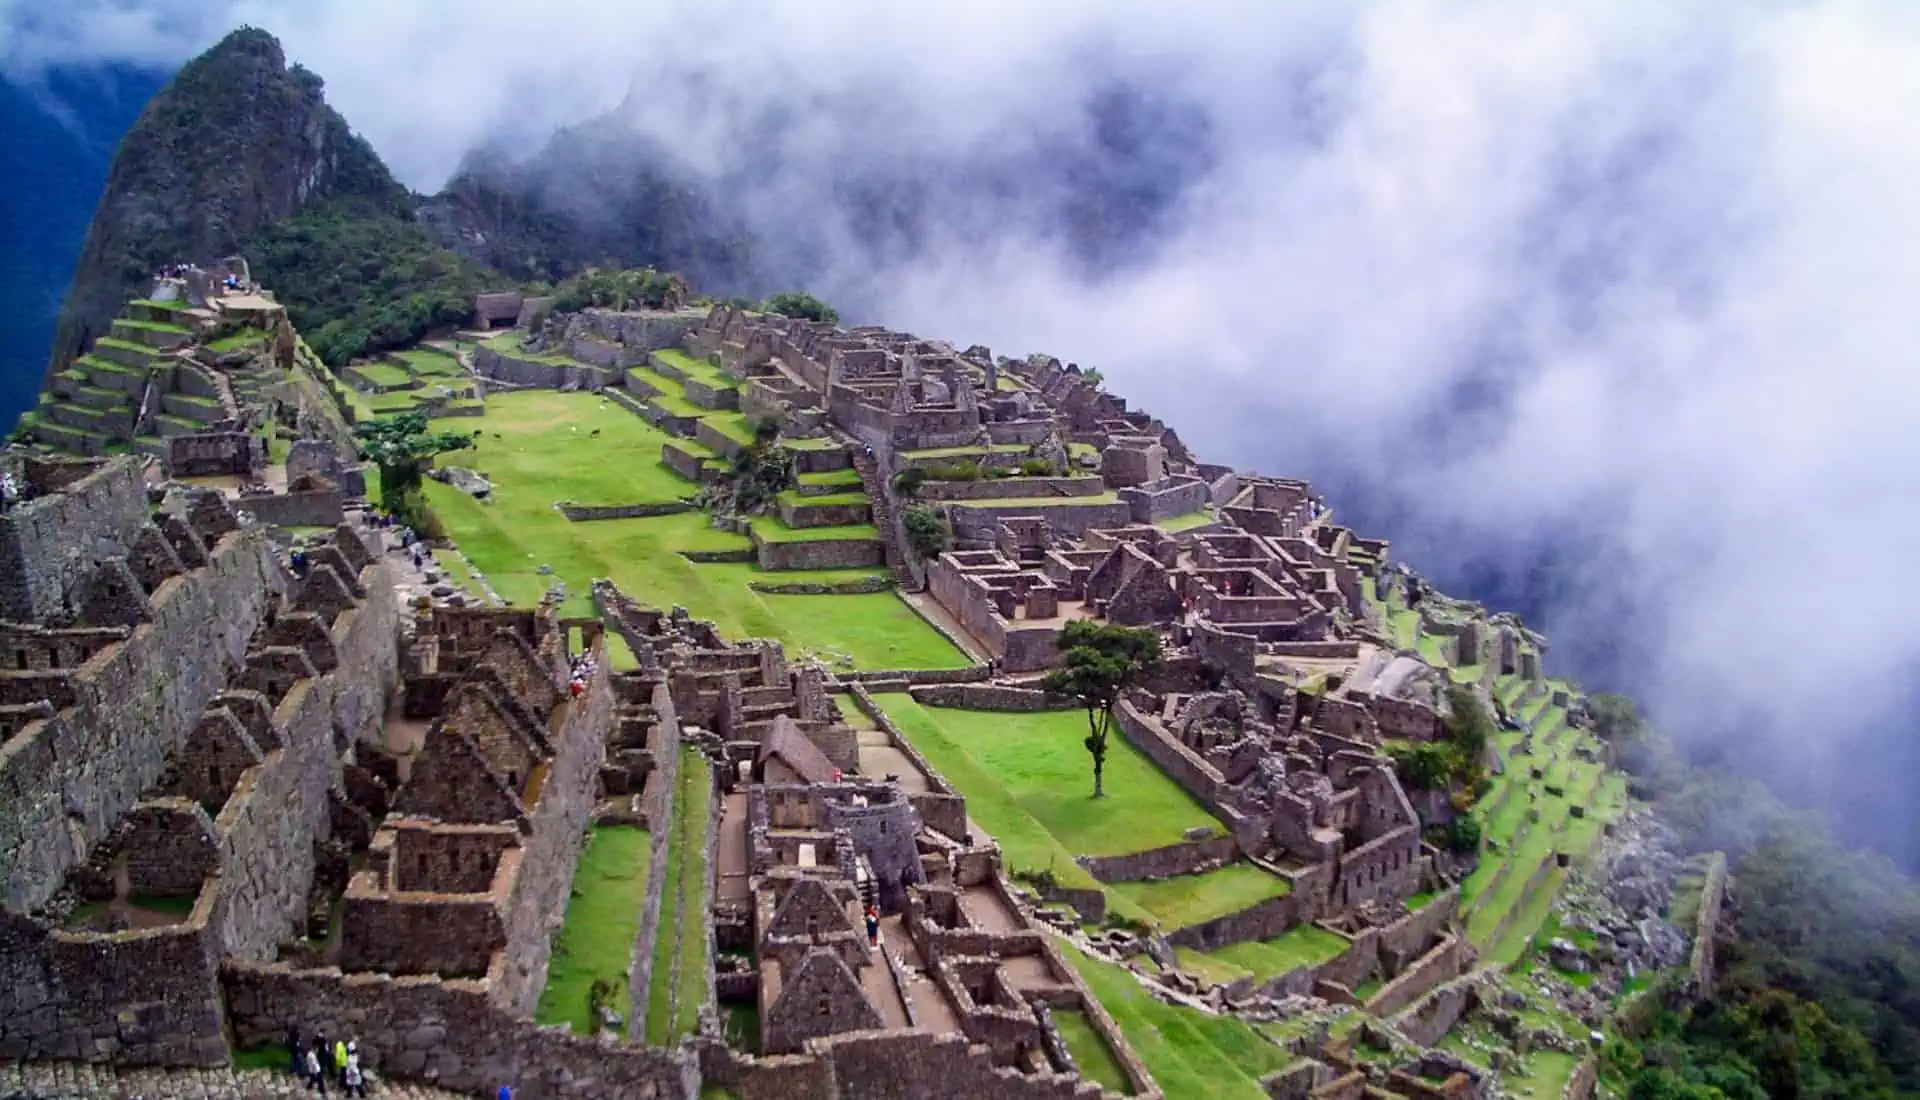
[238,139]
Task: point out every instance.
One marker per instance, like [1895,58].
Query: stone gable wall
[48,546]
[134,704]
[312,508]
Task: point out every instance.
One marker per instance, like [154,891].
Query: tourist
[340,1061]
[873,926]
[506,1093]
[316,1076]
[576,687]
[297,1064]
[353,1081]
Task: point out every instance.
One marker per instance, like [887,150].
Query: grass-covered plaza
[539,447]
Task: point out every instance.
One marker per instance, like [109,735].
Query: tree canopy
[401,446]
[804,306]
[1103,661]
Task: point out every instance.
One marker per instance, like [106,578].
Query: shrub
[927,532]
[1037,467]
[907,482]
[804,306]
[953,471]
[1462,835]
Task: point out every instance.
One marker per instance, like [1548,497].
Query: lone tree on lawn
[1103,661]
[402,446]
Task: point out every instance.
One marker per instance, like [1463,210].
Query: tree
[907,482]
[401,446]
[804,306]
[928,535]
[1103,660]
[1092,378]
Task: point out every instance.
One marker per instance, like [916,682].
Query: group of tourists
[582,672]
[320,1061]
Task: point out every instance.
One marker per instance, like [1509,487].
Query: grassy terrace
[848,477]
[1028,783]
[770,529]
[1108,497]
[1187,522]
[682,972]
[603,917]
[246,338]
[1306,945]
[966,452]
[696,368]
[1189,1053]
[154,326]
[733,425]
[1090,1052]
[383,374]
[792,496]
[539,458]
[1181,900]
[430,363]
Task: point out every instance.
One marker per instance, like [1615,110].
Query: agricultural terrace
[596,939]
[1028,782]
[539,447]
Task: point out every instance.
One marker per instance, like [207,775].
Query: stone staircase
[84,1081]
[876,488]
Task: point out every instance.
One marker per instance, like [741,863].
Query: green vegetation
[537,447]
[271,1056]
[1305,945]
[848,477]
[1187,522]
[1022,775]
[928,534]
[682,973]
[357,281]
[1090,1052]
[603,917]
[804,306]
[620,288]
[770,529]
[1189,1053]
[402,447]
[1102,661]
[1181,900]
[1108,497]
[383,374]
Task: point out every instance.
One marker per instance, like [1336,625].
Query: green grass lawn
[793,497]
[1187,522]
[1040,760]
[965,452]
[849,477]
[547,442]
[245,338]
[733,425]
[383,374]
[674,1001]
[603,917]
[1181,900]
[770,529]
[1306,945]
[1189,1052]
[696,368]
[1090,1052]
[1108,497]
[430,362]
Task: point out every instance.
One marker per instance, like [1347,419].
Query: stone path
[81,1081]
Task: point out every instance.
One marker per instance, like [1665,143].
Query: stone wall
[1008,488]
[1706,925]
[1070,516]
[559,823]
[658,802]
[1259,921]
[63,787]
[1433,1015]
[582,513]
[448,1033]
[1185,858]
[1443,963]
[48,545]
[988,696]
[313,508]
[491,362]
[819,554]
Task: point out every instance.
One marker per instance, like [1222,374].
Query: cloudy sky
[1616,278]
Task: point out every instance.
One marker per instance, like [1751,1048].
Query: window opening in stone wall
[824,1006]
[213,776]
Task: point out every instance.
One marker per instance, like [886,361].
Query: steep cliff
[237,140]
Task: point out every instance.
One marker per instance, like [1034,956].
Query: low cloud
[1609,285]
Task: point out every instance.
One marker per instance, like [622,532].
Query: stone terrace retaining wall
[1441,964]
[658,801]
[490,362]
[819,554]
[586,513]
[1259,921]
[1435,1014]
[446,1033]
[978,696]
[316,508]
[1010,488]
[1185,858]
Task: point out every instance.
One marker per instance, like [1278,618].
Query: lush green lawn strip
[1189,1053]
[383,374]
[1181,900]
[1090,1052]
[603,917]
[733,425]
[962,452]
[1187,522]
[1306,945]
[770,529]
[1040,759]
[793,497]
[848,476]
[1108,497]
